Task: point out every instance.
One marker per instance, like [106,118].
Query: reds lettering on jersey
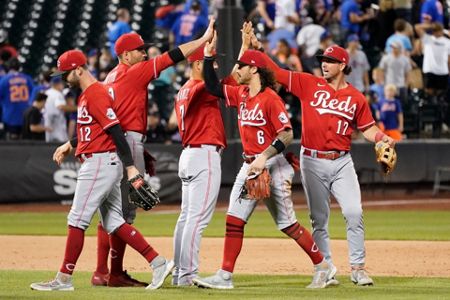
[128,88]
[260,118]
[198,115]
[328,116]
[95,115]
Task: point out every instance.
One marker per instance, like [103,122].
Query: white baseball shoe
[161,269]
[360,277]
[62,282]
[222,280]
[323,276]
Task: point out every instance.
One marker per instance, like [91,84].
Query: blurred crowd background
[399,52]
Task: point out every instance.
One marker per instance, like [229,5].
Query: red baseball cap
[129,42]
[69,61]
[252,58]
[336,53]
[198,54]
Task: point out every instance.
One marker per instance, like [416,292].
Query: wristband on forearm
[278,145]
[74,142]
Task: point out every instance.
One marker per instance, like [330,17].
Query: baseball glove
[386,157]
[149,162]
[257,186]
[141,193]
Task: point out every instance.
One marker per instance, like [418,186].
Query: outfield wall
[28,174]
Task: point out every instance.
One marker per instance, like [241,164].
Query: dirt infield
[259,256]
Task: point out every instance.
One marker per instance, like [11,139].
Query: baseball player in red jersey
[98,183]
[331,110]
[265,131]
[203,137]
[127,85]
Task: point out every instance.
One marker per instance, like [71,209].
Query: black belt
[331,155]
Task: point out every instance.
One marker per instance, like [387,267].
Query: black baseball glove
[141,193]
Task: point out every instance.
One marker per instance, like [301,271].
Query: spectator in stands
[266,9]
[191,23]
[167,15]
[436,58]
[396,66]
[403,9]
[377,88]
[15,97]
[325,42]
[121,26]
[105,63]
[359,77]
[390,113]
[4,57]
[286,16]
[352,17]
[431,11]
[92,62]
[156,132]
[161,89]
[402,33]
[308,38]
[33,123]
[42,84]
[286,58]
[5,46]
[55,112]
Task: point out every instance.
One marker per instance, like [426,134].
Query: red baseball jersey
[128,88]
[198,114]
[260,118]
[95,115]
[328,116]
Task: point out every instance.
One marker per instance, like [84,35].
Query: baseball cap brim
[145,46]
[320,57]
[58,73]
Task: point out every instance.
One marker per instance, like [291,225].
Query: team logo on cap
[329,49]
[111,114]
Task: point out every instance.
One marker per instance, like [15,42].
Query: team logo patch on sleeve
[111,114]
[283,118]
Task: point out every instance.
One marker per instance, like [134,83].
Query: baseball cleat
[323,276]
[62,282]
[160,272]
[124,280]
[99,279]
[332,281]
[360,277]
[222,280]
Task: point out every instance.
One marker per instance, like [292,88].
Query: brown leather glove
[258,186]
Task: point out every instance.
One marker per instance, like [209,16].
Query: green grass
[380,225]
[15,285]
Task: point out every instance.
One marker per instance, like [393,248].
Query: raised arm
[189,48]
[212,83]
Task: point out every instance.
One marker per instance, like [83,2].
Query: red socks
[302,236]
[134,238]
[234,236]
[117,254]
[74,245]
[102,249]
